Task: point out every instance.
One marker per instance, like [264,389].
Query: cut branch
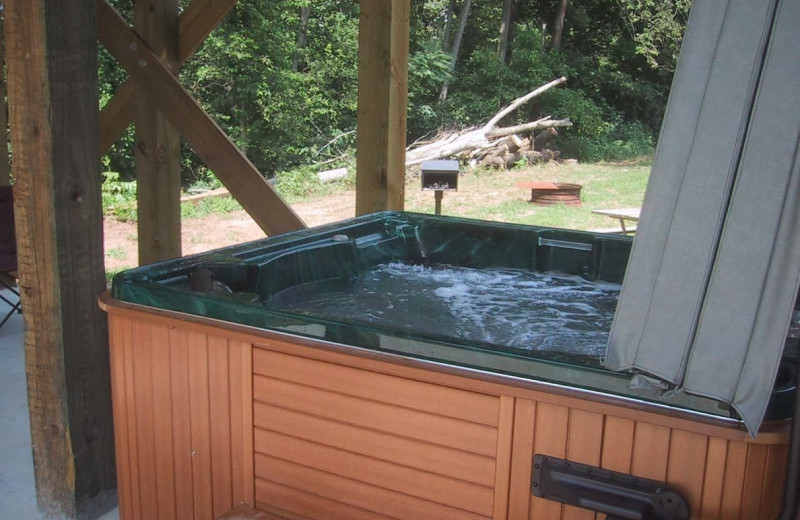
[520,100]
[530,127]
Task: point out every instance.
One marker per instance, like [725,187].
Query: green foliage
[118,196]
[244,77]
[617,141]
[285,90]
[427,67]
[301,183]
[117,253]
[209,206]
[656,28]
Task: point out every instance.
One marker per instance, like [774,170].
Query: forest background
[280,77]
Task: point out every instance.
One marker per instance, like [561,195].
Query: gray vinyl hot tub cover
[715,267]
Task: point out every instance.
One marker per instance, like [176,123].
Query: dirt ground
[223,229]
[219,230]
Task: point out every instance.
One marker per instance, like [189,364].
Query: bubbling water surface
[509,308]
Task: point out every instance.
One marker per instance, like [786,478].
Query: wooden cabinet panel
[402,449]
[205,421]
[183,421]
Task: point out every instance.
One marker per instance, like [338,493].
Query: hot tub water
[510,308]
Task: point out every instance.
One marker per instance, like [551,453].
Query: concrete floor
[17,491]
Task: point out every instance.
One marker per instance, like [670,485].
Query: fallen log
[543,137]
[530,127]
[332,175]
[514,143]
[481,137]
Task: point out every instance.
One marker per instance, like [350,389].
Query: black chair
[8,254]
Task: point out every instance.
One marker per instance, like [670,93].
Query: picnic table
[624,214]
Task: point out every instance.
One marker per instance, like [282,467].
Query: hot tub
[401,366]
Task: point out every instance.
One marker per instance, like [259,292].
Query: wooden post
[5,178]
[158,172]
[382,100]
[53,99]
[209,142]
[196,22]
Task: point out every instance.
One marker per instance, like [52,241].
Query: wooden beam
[196,23]
[53,98]
[157,144]
[5,177]
[398,103]
[208,140]
[116,115]
[382,100]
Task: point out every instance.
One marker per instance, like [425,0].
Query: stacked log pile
[493,146]
[512,150]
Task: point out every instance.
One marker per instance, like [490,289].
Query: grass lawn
[483,194]
[493,195]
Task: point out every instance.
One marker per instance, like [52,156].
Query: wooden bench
[623,215]
[615,230]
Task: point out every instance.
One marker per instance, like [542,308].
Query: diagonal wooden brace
[196,22]
[208,140]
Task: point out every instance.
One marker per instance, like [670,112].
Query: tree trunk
[506,29]
[448,24]
[462,23]
[302,39]
[558,25]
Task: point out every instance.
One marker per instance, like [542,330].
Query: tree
[462,23]
[302,38]
[281,76]
[558,25]
[448,23]
[506,29]
[656,28]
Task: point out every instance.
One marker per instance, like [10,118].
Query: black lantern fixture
[439,176]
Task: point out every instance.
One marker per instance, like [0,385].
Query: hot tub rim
[770,433]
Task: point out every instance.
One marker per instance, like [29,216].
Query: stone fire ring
[552,193]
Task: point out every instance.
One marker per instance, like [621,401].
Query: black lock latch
[620,496]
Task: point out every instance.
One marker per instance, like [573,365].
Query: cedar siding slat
[280,498]
[471,437]
[714,479]
[449,402]
[403,479]
[735,467]
[220,414]
[753,482]
[686,466]
[162,425]
[584,445]
[503,465]
[618,444]
[478,469]
[549,438]
[181,423]
[144,410]
[357,494]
